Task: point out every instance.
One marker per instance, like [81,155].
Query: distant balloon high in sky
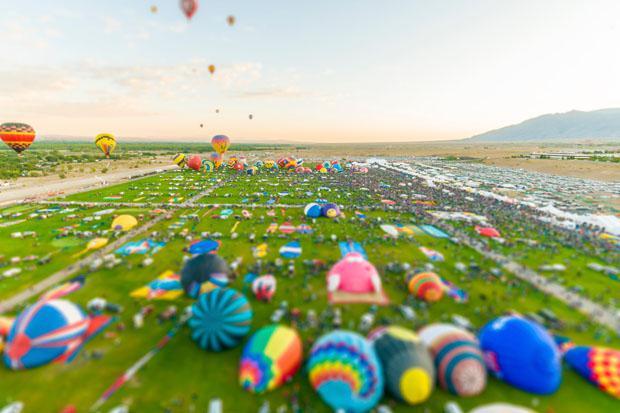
[220,143]
[106,142]
[231,20]
[17,136]
[211,69]
[189,7]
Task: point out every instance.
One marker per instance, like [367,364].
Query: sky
[308,71]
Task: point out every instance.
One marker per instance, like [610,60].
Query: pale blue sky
[321,70]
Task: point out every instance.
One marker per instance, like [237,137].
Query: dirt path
[72,185]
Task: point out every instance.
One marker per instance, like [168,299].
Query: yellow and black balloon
[106,142]
[180,160]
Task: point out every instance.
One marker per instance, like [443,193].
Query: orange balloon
[211,69]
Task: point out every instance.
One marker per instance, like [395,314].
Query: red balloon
[189,7]
[17,136]
[194,163]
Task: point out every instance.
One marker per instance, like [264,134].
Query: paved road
[73,185]
[59,276]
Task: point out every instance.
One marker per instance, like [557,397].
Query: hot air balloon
[194,162]
[231,20]
[17,136]
[220,319]
[211,69]
[330,210]
[269,164]
[202,270]
[216,158]
[426,286]
[458,359]
[153,9]
[521,353]
[345,370]
[220,143]
[207,166]
[264,287]
[47,331]
[124,223]
[270,358]
[599,365]
[250,116]
[189,7]
[407,365]
[252,170]
[312,210]
[179,160]
[106,143]
[201,125]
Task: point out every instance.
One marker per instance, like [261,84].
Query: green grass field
[182,375]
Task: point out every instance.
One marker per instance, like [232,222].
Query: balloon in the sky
[211,69]
[201,125]
[124,223]
[17,136]
[458,358]
[599,365]
[407,365]
[202,270]
[220,143]
[251,116]
[426,286]
[521,353]
[179,160]
[194,163]
[153,9]
[189,7]
[231,20]
[220,319]
[271,357]
[264,287]
[345,370]
[106,142]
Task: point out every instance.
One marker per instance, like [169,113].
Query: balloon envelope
[220,143]
[106,142]
[220,319]
[345,370]
[270,358]
[522,353]
[124,223]
[17,136]
[201,269]
[407,365]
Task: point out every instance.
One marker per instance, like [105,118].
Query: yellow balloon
[106,142]
[124,223]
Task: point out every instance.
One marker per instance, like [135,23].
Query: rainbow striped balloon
[271,357]
[344,369]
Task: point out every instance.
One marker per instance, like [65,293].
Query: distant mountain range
[598,125]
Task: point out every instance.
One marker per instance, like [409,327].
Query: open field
[183,377]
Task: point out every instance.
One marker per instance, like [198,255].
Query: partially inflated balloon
[407,364]
[17,136]
[106,142]
[220,319]
[271,357]
[344,369]
[189,7]
[521,353]
[216,158]
[180,160]
[194,163]
[220,143]
[124,223]
[207,166]
[426,286]
[599,365]
[201,269]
